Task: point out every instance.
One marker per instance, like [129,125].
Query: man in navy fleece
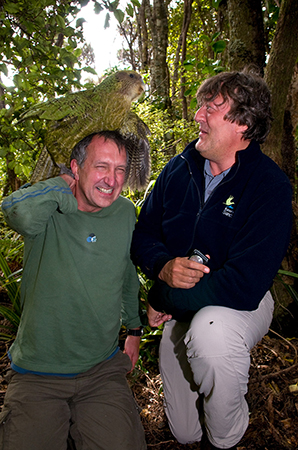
[224,197]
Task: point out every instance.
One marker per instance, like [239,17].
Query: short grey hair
[79,152]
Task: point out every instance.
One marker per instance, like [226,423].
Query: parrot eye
[131,75]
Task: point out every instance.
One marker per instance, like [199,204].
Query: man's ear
[241,128]
[74,168]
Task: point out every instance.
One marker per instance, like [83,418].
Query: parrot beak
[140,92]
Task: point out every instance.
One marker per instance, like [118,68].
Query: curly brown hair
[250,100]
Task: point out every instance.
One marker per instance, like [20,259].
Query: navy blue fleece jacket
[244,226]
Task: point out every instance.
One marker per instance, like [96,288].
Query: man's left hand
[131,348]
[156,318]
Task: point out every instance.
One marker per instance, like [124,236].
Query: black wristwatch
[138,332]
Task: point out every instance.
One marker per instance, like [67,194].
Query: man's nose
[110,178]
[199,115]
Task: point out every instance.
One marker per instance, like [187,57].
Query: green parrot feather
[78,114]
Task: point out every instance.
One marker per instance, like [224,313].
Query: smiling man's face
[100,180]
[219,139]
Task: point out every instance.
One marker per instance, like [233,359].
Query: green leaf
[18,169]
[107,21]
[188,67]
[72,42]
[80,22]
[97,8]
[11,8]
[188,92]
[119,15]
[17,79]
[193,103]
[60,21]
[136,3]
[114,5]
[290,274]
[215,36]
[219,46]
[90,70]
[204,37]
[77,52]
[215,3]
[3,68]
[129,10]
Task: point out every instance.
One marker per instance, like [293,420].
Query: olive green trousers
[95,408]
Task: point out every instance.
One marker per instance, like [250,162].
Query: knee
[184,432]
[205,336]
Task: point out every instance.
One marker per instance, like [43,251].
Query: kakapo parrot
[74,116]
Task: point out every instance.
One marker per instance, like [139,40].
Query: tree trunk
[280,144]
[279,72]
[185,26]
[159,80]
[246,44]
[142,36]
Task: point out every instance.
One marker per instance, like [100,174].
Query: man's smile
[104,190]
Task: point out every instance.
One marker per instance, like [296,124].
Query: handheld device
[199,257]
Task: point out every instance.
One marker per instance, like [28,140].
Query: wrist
[135,332]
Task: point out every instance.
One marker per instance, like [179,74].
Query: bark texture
[279,73]
[246,44]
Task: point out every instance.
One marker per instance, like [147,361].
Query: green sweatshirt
[78,283]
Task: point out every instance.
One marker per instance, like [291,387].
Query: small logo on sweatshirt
[91,238]
[229,208]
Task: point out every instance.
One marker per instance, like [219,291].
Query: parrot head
[127,83]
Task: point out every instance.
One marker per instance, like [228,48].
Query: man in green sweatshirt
[68,375]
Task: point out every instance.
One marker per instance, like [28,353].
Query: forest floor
[272,396]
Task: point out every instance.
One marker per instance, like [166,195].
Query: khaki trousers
[204,367]
[96,408]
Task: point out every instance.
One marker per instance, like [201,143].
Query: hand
[70,181]
[182,273]
[131,348]
[156,318]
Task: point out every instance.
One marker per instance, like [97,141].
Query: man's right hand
[70,181]
[182,273]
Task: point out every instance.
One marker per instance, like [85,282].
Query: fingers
[156,318]
[182,273]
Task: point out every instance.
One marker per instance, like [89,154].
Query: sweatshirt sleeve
[130,302]
[28,209]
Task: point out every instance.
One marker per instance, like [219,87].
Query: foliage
[205,45]
[40,49]
[167,138]
[10,283]
[291,290]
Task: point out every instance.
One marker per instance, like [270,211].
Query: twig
[287,341]
[160,443]
[280,372]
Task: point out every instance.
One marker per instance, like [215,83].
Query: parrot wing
[79,114]
[135,132]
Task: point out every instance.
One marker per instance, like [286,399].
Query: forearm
[28,210]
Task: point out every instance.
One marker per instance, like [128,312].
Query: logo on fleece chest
[229,207]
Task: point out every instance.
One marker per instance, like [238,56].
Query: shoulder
[124,206]
[261,167]
[125,203]
[271,172]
